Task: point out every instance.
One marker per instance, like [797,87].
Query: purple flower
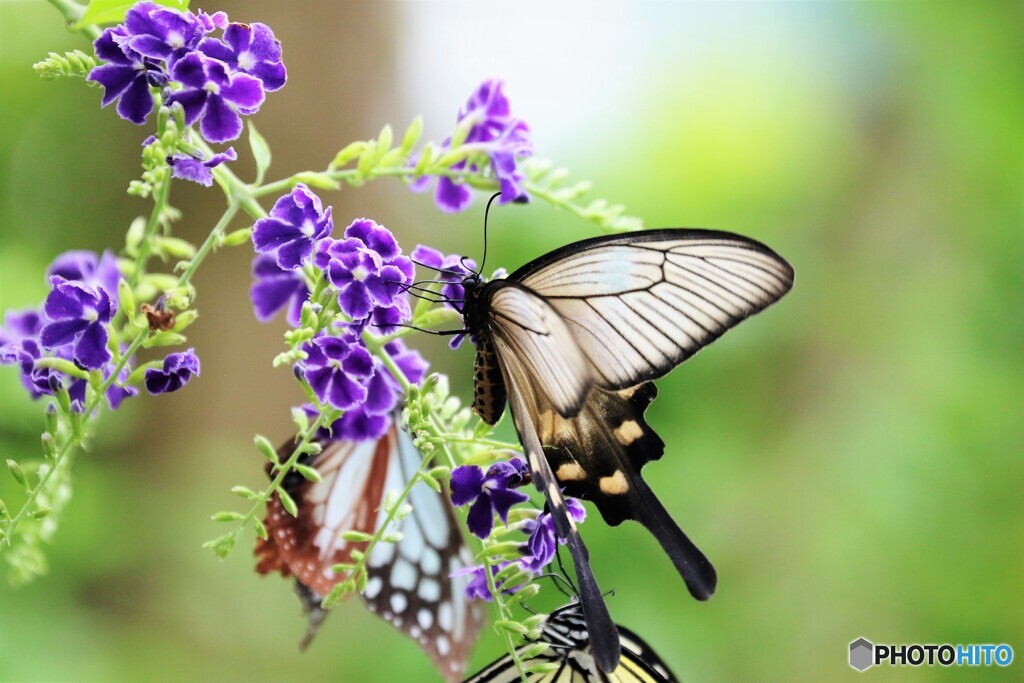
[540,548]
[371,418]
[251,48]
[41,381]
[116,393]
[177,370]
[126,76]
[85,267]
[214,96]
[496,141]
[20,324]
[188,167]
[294,226]
[275,288]
[78,315]
[477,588]
[161,33]
[491,493]
[368,270]
[338,369]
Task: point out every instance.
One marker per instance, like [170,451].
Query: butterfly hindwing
[409,583]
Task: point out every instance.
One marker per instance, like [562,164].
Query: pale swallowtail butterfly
[572,341]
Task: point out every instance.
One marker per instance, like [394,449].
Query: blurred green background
[851,460]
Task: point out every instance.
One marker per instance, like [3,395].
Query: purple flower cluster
[372,418]
[366,267]
[217,79]
[491,133]
[73,324]
[493,493]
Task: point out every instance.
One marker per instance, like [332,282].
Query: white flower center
[307,228]
[175,40]
[212,87]
[91,316]
[334,363]
[360,273]
[246,61]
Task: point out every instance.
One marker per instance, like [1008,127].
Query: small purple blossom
[338,369]
[275,288]
[490,493]
[188,167]
[86,267]
[19,325]
[493,133]
[296,223]
[125,76]
[371,418]
[540,547]
[178,369]
[161,33]
[368,270]
[250,48]
[477,588]
[214,95]
[78,315]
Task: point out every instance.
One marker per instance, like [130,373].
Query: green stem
[208,244]
[12,525]
[73,13]
[146,245]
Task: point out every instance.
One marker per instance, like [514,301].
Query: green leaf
[244,492]
[237,238]
[393,537]
[356,536]
[165,339]
[309,473]
[221,546]
[41,513]
[412,134]
[513,627]
[18,473]
[3,511]
[266,448]
[431,482]
[126,300]
[385,139]
[261,530]
[350,152]
[287,502]
[227,517]
[260,152]
[113,11]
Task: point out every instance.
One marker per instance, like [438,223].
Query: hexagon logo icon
[862,654]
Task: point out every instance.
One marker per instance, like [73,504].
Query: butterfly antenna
[440,333]
[435,268]
[487,212]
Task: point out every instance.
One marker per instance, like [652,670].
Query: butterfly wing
[349,497]
[408,583]
[597,452]
[532,342]
[640,304]
[569,648]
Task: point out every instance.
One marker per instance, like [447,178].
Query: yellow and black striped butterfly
[569,653]
[409,583]
[572,341]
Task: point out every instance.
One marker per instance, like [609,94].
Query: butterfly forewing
[525,327]
[638,305]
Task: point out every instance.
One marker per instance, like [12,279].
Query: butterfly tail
[695,568]
[604,636]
